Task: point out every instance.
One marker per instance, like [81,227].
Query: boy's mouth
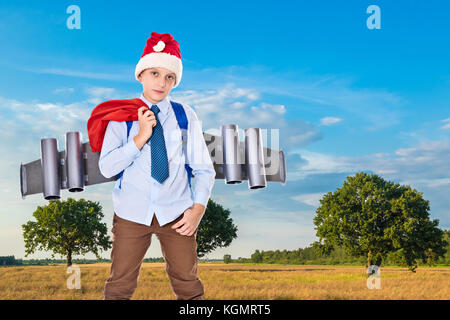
[157,91]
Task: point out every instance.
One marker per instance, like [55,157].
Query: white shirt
[141,196]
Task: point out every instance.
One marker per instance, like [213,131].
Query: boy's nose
[162,83]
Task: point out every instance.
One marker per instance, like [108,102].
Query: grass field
[233,281]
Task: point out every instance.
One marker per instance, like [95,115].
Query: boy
[153,195]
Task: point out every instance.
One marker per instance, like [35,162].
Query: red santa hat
[161,51]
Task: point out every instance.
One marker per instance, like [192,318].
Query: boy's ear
[140,76]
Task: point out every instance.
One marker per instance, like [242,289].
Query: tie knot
[155,109]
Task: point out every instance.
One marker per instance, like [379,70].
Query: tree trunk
[69,258]
[369,258]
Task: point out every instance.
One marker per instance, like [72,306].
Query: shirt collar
[163,105]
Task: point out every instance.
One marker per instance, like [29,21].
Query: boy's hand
[190,221]
[147,121]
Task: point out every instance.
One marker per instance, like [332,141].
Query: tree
[7,261]
[67,228]
[446,258]
[257,257]
[371,217]
[227,258]
[215,230]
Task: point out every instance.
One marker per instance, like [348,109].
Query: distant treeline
[11,261]
[309,256]
[306,256]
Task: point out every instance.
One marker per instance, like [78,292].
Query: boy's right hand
[147,121]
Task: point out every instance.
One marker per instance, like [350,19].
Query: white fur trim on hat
[163,60]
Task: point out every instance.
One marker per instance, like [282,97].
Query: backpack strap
[180,114]
[129,125]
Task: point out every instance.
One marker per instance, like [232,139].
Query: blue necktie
[160,165]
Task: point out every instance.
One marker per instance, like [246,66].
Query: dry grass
[233,281]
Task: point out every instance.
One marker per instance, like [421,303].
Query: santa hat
[161,51]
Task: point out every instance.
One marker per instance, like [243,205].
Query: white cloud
[278,109]
[100,94]
[63,90]
[33,120]
[311,199]
[425,167]
[230,104]
[100,91]
[437,183]
[427,164]
[46,106]
[83,74]
[328,121]
[238,105]
[374,109]
[447,125]
[320,163]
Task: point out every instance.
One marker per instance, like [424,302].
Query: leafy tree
[446,258]
[7,261]
[215,230]
[371,217]
[227,258]
[257,257]
[67,228]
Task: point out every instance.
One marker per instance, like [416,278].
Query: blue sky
[345,98]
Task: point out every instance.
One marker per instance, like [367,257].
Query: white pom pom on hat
[159,46]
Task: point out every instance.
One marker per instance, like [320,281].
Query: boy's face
[156,83]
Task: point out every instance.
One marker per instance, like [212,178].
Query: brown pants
[130,243]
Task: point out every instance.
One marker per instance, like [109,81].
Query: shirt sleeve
[199,160]
[115,156]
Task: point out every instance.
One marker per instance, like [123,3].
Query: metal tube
[74,162]
[254,159]
[231,154]
[50,169]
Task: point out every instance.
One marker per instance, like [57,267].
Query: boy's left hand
[190,221]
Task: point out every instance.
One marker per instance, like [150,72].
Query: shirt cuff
[131,150]
[201,197]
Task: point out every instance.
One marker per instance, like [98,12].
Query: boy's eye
[153,72]
[171,77]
